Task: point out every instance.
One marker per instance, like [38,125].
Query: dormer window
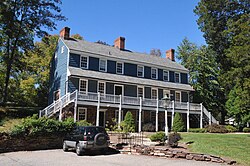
[103,65]
[140,71]
[177,77]
[84,62]
[119,68]
[154,73]
[165,75]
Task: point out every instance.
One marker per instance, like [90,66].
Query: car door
[71,138]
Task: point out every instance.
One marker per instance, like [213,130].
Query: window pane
[82,114]
[101,86]
[102,65]
[177,77]
[153,73]
[140,71]
[165,75]
[140,92]
[84,62]
[154,94]
[177,97]
[119,68]
[83,85]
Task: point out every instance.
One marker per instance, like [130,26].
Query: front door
[118,89]
[102,118]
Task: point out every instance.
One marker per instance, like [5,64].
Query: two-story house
[98,83]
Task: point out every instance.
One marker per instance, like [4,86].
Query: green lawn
[234,146]
[7,124]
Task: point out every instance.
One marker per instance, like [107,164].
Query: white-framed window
[140,71]
[82,113]
[177,77]
[84,62]
[165,75]
[62,49]
[152,116]
[140,91]
[117,115]
[178,96]
[119,68]
[101,88]
[154,73]
[154,94]
[83,86]
[103,65]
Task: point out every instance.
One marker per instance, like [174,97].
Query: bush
[148,127]
[231,129]
[197,130]
[173,139]
[83,123]
[215,128]
[246,130]
[178,124]
[159,136]
[128,125]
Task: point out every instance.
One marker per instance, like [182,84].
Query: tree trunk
[7,78]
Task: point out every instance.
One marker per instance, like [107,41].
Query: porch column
[210,118]
[188,109]
[201,117]
[98,109]
[140,110]
[60,113]
[75,108]
[166,121]
[172,123]
[120,113]
[156,116]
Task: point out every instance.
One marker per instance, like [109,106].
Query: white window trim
[180,95]
[175,77]
[81,61]
[105,65]
[143,96]
[156,77]
[86,112]
[142,70]
[86,85]
[122,67]
[163,75]
[156,92]
[104,87]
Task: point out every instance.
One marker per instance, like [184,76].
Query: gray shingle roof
[109,51]
[127,79]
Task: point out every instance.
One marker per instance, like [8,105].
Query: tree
[128,125]
[155,52]
[20,22]
[77,36]
[178,124]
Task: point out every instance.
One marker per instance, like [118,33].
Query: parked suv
[84,138]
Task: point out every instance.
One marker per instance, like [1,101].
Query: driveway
[60,158]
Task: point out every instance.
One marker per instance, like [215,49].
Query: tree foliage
[178,124]
[155,52]
[128,125]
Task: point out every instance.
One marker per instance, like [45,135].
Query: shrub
[231,129]
[128,125]
[197,130]
[159,136]
[215,128]
[246,130]
[148,127]
[178,124]
[83,123]
[173,139]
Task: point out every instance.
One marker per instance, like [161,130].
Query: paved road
[60,158]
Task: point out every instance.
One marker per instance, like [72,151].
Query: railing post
[188,109]
[201,117]
[98,109]
[75,108]
[140,111]
[54,108]
[156,116]
[210,118]
[120,113]
[172,119]
[46,112]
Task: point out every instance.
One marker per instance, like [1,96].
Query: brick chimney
[120,43]
[65,33]
[170,54]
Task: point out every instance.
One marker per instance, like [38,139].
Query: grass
[233,146]
[7,124]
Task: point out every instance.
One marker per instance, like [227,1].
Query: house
[97,82]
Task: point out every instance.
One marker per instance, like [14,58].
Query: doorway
[118,90]
[102,118]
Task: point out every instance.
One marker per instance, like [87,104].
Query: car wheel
[78,150]
[65,147]
[100,139]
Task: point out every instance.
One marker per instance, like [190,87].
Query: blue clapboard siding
[184,96]
[59,76]
[74,60]
[160,94]
[130,90]
[111,65]
[147,92]
[171,76]
[160,74]
[109,88]
[184,78]
[92,86]
[73,84]
[130,69]
[147,72]
[94,63]
[172,95]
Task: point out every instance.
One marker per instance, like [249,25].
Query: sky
[145,24]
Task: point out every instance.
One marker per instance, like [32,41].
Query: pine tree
[128,125]
[178,124]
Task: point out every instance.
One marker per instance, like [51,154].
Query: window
[154,94]
[62,49]
[117,115]
[154,73]
[119,68]
[102,65]
[140,92]
[101,88]
[84,62]
[177,77]
[140,71]
[177,96]
[82,113]
[152,116]
[165,75]
[83,86]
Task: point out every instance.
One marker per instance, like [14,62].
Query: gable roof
[109,51]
